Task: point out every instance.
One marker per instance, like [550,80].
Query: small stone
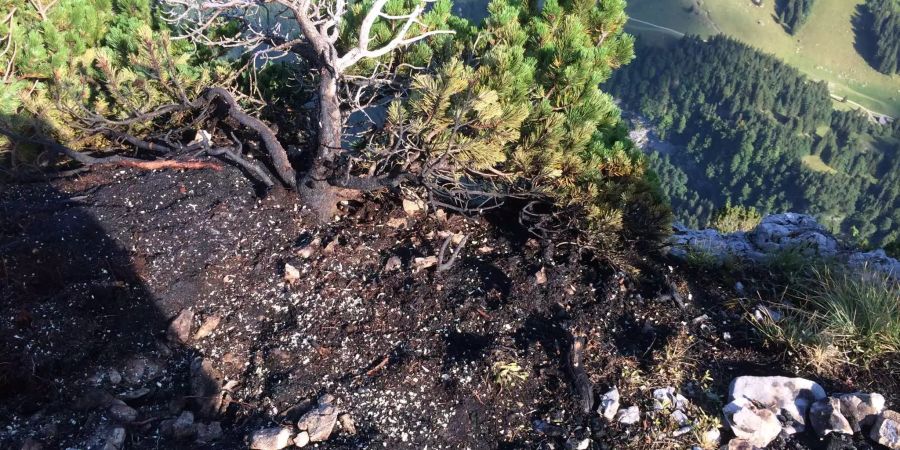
[347,424]
[825,417]
[886,430]
[270,439]
[114,376]
[578,444]
[396,222]
[183,427]
[209,432]
[180,327]
[540,277]
[860,409]
[741,444]
[609,404]
[321,420]
[115,440]
[663,398]
[140,369]
[302,439]
[207,327]
[711,438]
[291,274]
[679,418]
[32,444]
[682,431]
[206,387]
[309,249]
[413,207]
[393,263]
[123,413]
[420,264]
[134,394]
[758,426]
[629,416]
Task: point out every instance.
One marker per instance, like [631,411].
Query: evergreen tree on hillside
[886,34]
[793,13]
[749,122]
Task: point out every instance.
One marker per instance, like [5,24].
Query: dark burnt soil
[93,269]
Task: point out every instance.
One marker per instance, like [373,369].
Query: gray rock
[115,440]
[141,369]
[393,263]
[663,398]
[206,387]
[123,413]
[679,418]
[825,417]
[756,425]
[183,427]
[629,416]
[347,424]
[319,422]
[787,397]
[777,233]
[741,444]
[861,410]
[209,432]
[270,439]
[302,439]
[180,328]
[32,444]
[886,430]
[114,376]
[609,404]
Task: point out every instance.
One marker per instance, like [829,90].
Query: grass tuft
[835,318]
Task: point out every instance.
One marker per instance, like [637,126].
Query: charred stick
[447,264]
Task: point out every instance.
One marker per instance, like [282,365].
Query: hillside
[827,47]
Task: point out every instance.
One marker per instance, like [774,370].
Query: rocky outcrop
[775,234]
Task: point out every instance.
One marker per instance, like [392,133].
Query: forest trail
[670,30]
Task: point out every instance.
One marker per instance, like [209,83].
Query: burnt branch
[445,264]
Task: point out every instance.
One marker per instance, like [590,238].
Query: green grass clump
[838,317]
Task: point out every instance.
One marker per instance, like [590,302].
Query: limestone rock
[302,439]
[208,432]
[270,439]
[609,404]
[741,444]
[758,426]
[788,397]
[629,416]
[777,233]
[861,409]
[886,430]
[123,413]
[825,417]
[420,264]
[207,327]
[180,327]
[319,422]
[291,274]
[206,387]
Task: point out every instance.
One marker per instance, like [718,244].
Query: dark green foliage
[886,33]
[744,120]
[793,13]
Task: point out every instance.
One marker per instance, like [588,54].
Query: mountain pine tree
[73,61]
[525,119]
